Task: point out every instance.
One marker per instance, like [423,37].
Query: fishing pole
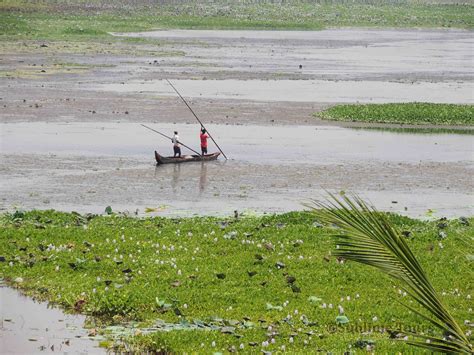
[164,135]
[182,98]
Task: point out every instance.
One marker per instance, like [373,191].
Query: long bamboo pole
[190,109]
[164,135]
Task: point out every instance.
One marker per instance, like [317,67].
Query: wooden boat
[184,158]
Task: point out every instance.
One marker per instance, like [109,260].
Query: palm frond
[366,236]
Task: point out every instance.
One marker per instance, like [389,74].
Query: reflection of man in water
[176,147]
[175,176]
[204,136]
[202,177]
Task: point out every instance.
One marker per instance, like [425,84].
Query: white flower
[291,340]
[272,341]
[185,305]
[98,279]
[179,272]
[242,346]
[94,290]
[375,319]
[265,343]
[56,268]
[330,305]
[323,305]
[213,344]
[341,310]
[348,298]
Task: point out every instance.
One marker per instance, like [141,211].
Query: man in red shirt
[204,136]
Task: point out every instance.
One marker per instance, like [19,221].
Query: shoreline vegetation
[226,283]
[414,113]
[72,20]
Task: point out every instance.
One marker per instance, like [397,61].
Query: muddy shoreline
[71,140]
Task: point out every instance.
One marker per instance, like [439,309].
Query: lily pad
[280,265]
[227,330]
[341,320]
[272,307]
[314,299]
[290,279]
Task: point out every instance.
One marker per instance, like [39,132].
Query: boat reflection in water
[182,177]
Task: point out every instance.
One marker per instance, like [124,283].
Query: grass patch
[227,273]
[69,19]
[416,113]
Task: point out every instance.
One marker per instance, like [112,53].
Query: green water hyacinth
[414,113]
[366,236]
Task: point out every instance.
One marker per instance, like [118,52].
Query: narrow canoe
[184,158]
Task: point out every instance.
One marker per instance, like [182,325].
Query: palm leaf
[367,236]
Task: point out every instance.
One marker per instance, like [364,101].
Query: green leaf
[341,320]
[366,236]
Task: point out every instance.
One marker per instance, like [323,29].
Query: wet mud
[86,167]
[70,137]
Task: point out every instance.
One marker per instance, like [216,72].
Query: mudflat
[70,112]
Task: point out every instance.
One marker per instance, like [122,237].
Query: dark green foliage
[186,287]
[403,113]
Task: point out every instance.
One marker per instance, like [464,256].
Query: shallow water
[29,327]
[332,66]
[309,145]
[87,166]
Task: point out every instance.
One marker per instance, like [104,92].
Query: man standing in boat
[204,136]
[176,147]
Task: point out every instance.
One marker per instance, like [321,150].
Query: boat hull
[184,158]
